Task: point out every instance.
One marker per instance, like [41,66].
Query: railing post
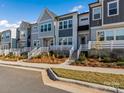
[89,45]
[111,46]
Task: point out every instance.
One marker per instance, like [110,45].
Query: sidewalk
[45,66]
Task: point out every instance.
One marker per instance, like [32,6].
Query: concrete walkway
[45,66]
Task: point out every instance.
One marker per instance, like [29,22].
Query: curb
[53,76]
[22,66]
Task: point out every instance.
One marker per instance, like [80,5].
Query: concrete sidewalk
[45,66]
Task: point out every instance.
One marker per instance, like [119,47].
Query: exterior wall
[113,19]
[82,19]
[70,32]
[48,33]
[24,29]
[94,23]
[5,40]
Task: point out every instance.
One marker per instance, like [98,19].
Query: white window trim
[117,8]
[93,14]
[44,26]
[36,42]
[67,24]
[63,38]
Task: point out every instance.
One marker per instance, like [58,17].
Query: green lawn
[113,80]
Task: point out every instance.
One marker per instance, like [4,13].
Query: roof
[67,14]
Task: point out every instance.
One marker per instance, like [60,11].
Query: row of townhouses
[103,24]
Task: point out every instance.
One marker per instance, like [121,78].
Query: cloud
[77,8]
[6,24]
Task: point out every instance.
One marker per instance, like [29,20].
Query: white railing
[71,52]
[32,52]
[60,47]
[107,44]
[36,51]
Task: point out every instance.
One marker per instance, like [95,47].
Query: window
[60,25]
[49,27]
[70,24]
[65,25]
[45,27]
[36,43]
[96,13]
[109,35]
[7,35]
[113,8]
[60,41]
[120,35]
[69,41]
[65,41]
[35,29]
[42,28]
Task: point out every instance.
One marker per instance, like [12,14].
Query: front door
[83,40]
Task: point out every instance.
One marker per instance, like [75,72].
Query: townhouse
[107,23]
[75,32]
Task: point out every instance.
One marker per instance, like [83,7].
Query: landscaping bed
[47,58]
[96,63]
[113,80]
[11,57]
[108,60]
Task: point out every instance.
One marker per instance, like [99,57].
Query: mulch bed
[96,63]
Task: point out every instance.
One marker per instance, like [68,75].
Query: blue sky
[13,11]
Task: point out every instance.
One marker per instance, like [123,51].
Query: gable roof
[46,13]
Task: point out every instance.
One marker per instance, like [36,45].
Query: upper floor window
[97,13]
[60,25]
[42,28]
[49,27]
[8,35]
[46,27]
[70,24]
[113,8]
[65,24]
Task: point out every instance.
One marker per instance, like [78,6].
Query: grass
[113,80]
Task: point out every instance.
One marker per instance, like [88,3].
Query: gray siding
[117,18]
[94,23]
[65,33]
[47,33]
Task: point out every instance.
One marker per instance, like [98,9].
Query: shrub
[24,55]
[120,63]
[82,57]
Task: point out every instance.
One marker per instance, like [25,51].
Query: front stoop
[91,85]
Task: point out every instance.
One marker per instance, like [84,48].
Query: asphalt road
[23,81]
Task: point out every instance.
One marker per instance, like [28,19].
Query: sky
[12,12]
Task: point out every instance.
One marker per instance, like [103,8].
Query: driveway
[14,80]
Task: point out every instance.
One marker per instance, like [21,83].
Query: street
[14,80]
